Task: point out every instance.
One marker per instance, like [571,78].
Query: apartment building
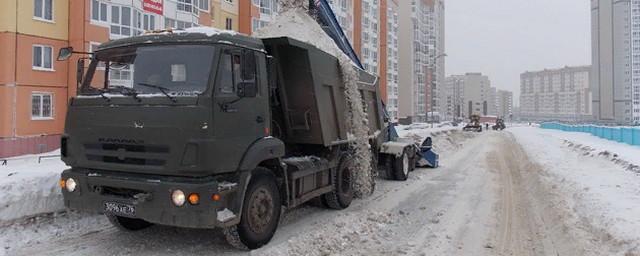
[35,88]
[255,14]
[452,98]
[562,94]
[616,61]
[391,48]
[225,14]
[421,64]
[477,95]
[504,104]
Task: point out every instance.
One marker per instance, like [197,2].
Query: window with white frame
[188,6]
[149,22]
[41,105]
[99,11]
[43,9]
[42,57]
[203,5]
[120,20]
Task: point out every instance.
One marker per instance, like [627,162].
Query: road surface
[487,198]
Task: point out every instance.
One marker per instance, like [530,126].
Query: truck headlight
[71,184]
[177,197]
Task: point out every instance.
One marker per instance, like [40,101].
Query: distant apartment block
[452,98]
[615,78]
[556,94]
[504,104]
[472,94]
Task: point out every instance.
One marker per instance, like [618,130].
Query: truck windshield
[176,70]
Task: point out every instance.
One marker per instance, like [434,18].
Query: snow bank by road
[29,188]
[600,191]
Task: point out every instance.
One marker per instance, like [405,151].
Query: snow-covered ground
[523,191]
[30,188]
[598,179]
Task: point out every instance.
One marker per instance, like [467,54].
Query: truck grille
[147,155]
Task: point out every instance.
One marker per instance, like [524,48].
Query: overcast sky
[503,38]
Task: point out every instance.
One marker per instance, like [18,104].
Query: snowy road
[487,198]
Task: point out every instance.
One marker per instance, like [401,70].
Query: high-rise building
[477,95]
[615,77]
[452,98]
[391,48]
[421,66]
[556,94]
[504,104]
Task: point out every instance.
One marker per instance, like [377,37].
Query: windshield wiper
[127,91]
[161,89]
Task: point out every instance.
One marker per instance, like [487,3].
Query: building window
[149,22]
[188,6]
[229,24]
[98,11]
[120,20]
[41,106]
[43,9]
[204,5]
[42,57]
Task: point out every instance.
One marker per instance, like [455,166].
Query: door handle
[259,119]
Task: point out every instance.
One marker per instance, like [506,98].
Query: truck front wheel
[342,196]
[127,224]
[260,213]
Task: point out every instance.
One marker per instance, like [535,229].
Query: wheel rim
[260,210]
[405,164]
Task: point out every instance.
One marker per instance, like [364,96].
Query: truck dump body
[312,94]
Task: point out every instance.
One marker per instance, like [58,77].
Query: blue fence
[627,135]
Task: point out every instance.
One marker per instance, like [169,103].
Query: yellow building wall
[221,10]
[8,15]
[57,29]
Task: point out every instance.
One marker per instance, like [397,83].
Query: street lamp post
[433,83]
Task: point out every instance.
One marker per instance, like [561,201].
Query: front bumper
[151,197]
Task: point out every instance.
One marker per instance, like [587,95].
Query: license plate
[120,209]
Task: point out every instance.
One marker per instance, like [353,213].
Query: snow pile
[600,192]
[29,188]
[349,229]
[295,22]
[606,154]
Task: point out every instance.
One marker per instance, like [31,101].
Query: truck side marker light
[194,199]
[215,197]
[63,184]
[267,131]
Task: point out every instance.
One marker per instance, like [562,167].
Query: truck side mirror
[247,90]
[80,71]
[65,53]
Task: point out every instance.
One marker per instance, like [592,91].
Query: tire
[402,166]
[388,167]
[127,224]
[342,196]
[260,213]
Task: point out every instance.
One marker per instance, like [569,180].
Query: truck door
[241,106]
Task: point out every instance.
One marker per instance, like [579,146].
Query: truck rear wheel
[343,195]
[127,224]
[260,213]
[402,166]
